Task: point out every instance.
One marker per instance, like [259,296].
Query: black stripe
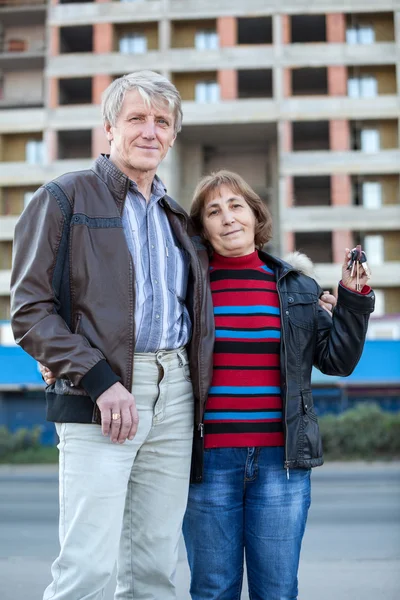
[258,314]
[258,347]
[228,290]
[249,274]
[266,427]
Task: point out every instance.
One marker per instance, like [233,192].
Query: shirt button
[157,316]
[152,246]
[155,281]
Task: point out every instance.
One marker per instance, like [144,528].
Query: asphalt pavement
[351,548]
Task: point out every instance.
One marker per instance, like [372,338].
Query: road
[351,549]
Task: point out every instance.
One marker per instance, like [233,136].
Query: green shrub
[364,432]
[20,441]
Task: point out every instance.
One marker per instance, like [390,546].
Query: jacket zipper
[286,464]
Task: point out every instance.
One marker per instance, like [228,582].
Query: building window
[27,198]
[34,152]
[374,249]
[360,35]
[370,140]
[206,40]
[362,87]
[133,43]
[207,92]
[371,194]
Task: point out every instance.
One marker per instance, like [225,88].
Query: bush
[364,432]
[20,441]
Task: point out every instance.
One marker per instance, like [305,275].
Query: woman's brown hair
[210,183]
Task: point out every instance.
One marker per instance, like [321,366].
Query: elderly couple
[174,346]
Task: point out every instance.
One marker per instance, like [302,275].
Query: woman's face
[229,223]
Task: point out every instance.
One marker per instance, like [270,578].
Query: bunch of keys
[358,258]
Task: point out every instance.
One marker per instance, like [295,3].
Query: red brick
[336,28]
[340,241]
[287,83]
[337,81]
[341,190]
[339,135]
[227,31]
[228,84]
[103,38]
[99,84]
[286,29]
[99,142]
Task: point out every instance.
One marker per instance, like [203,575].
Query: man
[100,273]
[107,293]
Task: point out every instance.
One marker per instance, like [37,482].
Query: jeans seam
[130,534]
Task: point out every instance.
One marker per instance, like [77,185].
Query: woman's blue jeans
[246,504]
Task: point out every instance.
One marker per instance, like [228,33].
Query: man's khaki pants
[130,496]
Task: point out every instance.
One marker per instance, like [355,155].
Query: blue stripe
[260,335]
[257,389]
[229,310]
[242,416]
[268,270]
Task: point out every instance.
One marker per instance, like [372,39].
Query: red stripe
[246,360]
[247,322]
[245,299]
[226,402]
[243,440]
[238,377]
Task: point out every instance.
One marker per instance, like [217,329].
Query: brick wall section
[337,81]
[289,191]
[228,84]
[103,38]
[340,241]
[336,28]
[287,136]
[52,93]
[288,242]
[227,31]
[99,142]
[286,29]
[287,83]
[54,41]
[340,190]
[99,84]
[51,142]
[339,135]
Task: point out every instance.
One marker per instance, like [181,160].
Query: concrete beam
[334,218]
[7,226]
[5,279]
[327,163]
[22,120]
[24,174]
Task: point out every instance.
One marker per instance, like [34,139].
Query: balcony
[384,275]
[335,218]
[107,12]
[19,121]
[25,174]
[326,163]
[16,55]
[7,225]
[323,54]
[22,12]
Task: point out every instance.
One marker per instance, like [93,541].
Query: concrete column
[164,35]
[227,31]
[192,168]
[337,81]
[336,28]
[51,143]
[277,71]
[170,172]
[100,143]
[228,84]
[99,84]
[103,38]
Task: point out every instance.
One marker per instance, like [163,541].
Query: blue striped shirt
[162,321]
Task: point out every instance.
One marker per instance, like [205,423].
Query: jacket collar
[280,267]
[116,181]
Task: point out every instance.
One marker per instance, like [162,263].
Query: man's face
[141,136]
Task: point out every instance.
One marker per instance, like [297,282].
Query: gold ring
[116,416]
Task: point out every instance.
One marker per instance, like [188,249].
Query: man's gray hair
[155,90]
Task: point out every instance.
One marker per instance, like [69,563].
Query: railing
[20,46]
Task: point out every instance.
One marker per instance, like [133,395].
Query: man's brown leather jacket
[72,290]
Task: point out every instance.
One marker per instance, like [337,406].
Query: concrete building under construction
[302,99]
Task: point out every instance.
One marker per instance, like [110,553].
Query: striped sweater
[244,406]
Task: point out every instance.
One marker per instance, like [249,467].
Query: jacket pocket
[302,309]
[310,437]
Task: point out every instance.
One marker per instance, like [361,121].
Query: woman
[257,438]
[259,416]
